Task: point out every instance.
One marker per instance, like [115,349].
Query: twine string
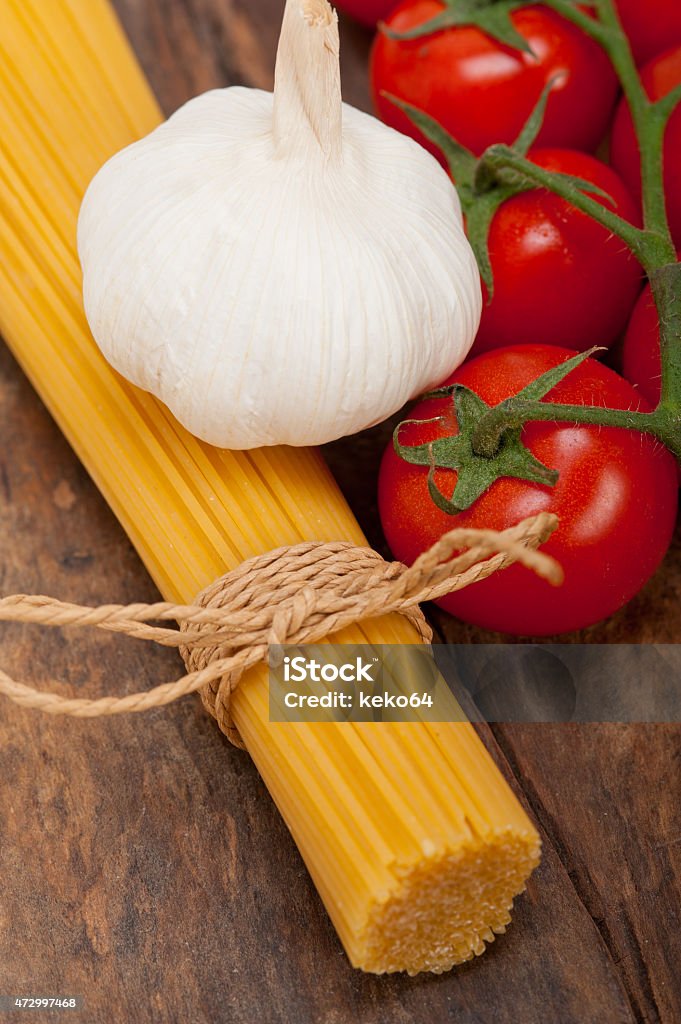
[293,595]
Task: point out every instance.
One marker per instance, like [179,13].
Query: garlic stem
[307,89]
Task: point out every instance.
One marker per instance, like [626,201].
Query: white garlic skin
[276,300]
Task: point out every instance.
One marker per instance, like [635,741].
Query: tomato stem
[515,412]
[511,168]
[666,286]
[650,122]
[580,18]
[650,119]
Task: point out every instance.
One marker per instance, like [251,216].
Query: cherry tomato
[652,25]
[559,278]
[366,11]
[482,91]
[659,77]
[641,348]
[616,498]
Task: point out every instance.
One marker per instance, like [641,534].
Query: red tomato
[641,348]
[559,278]
[659,77]
[366,11]
[616,498]
[483,92]
[652,25]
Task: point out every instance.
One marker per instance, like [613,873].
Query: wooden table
[143,864]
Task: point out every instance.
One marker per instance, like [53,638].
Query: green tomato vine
[490,437]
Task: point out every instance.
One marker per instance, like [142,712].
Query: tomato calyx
[482,184]
[493,17]
[478,456]
[475,473]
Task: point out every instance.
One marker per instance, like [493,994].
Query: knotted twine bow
[294,595]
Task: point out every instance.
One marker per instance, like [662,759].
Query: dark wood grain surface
[143,865]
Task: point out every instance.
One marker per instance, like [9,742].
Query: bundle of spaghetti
[411,834]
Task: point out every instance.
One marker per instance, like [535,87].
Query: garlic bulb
[278,269]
